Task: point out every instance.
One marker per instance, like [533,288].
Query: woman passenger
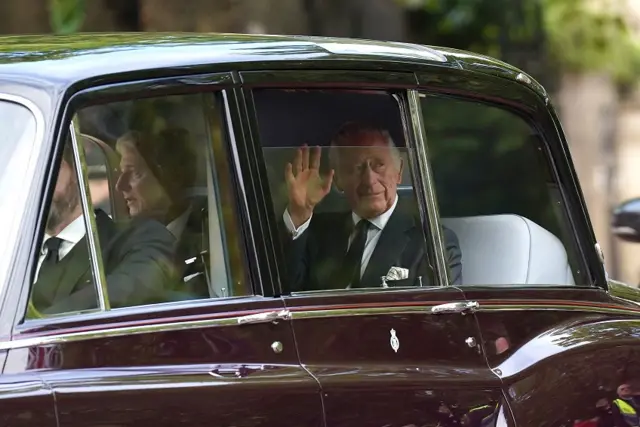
[157,170]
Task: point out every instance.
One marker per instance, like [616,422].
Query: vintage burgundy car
[150,272]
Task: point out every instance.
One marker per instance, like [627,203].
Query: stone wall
[628,181]
[604,138]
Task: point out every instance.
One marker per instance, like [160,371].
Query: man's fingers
[305,157]
[297,161]
[327,182]
[288,173]
[315,158]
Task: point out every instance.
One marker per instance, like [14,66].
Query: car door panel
[561,354]
[383,358]
[25,400]
[192,369]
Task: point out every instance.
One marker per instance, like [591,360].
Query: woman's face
[141,190]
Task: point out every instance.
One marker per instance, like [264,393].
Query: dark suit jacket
[139,262]
[191,245]
[315,256]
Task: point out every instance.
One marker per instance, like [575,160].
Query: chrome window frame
[534,117]
[91,229]
[211,83]
[402,82]
[531,102]
[428,189]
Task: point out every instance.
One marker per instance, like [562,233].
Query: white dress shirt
[70,235]
[373,235]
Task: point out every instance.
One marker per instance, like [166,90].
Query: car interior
[503,243]
[112,120]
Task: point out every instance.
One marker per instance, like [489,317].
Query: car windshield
[18,127]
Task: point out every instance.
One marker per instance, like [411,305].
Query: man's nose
[367,175]
[122,183]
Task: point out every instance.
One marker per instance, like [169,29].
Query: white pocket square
[397,273]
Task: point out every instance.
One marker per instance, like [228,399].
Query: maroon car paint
[188,376]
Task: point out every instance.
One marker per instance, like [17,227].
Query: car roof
[64,60]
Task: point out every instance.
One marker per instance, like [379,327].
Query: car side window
[162,198]
[340,174]
[497,192]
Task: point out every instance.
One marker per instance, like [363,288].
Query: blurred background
[585,52]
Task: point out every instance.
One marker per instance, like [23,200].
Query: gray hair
[352,129]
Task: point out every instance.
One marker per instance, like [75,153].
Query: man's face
[141,190]
[624,391]
[66,199]
[369,174]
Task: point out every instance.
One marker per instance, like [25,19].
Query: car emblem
[395,342]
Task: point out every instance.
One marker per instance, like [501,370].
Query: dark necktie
[46,283]
[352,263]
[53,251]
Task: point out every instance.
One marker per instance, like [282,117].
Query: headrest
[509,250]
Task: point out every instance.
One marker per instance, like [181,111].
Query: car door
[386,354]
[561,345]
[225,358]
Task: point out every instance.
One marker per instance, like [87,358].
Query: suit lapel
[389,249]
[77,271]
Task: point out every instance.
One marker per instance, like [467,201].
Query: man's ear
[400,169]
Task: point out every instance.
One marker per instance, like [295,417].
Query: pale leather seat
[509,250]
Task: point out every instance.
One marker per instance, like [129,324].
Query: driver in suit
[353,249]
[138,257]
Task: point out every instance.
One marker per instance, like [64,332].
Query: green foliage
[578,35]
[66,16]
[474,25]
[582,37]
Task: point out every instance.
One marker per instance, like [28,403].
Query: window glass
[340,177]
[162,194]
[18,141]
[497,193]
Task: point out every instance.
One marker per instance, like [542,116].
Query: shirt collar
[176,227]
[379,221]
[72,233]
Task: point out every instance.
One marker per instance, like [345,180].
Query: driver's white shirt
[70,236]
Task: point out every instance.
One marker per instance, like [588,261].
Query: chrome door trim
[299,314]
[559,307]
[91,228]
[426,308]
[427,187]
[115,331]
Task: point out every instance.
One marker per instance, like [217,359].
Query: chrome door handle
[462,307]
[227,373]
[266,317]
[235,372]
